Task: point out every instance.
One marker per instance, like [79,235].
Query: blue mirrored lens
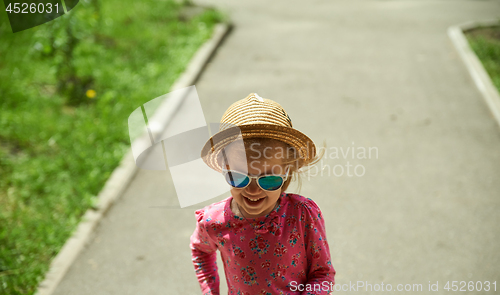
[271,182]
[237,179]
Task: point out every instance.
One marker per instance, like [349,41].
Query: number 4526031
[32,8]
[470,286]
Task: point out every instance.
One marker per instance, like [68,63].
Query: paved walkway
[379,74]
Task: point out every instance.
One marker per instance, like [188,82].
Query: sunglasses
[266,182]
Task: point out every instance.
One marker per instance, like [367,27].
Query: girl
[271,242]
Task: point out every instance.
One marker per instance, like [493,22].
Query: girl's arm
[204,257]
[320,270]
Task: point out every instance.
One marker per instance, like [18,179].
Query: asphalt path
[379,76]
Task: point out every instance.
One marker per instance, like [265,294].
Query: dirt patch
[188,12]
[492,33]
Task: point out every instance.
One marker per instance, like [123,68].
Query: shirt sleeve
[204,257]
[321,272]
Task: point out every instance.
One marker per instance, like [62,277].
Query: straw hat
[256,117]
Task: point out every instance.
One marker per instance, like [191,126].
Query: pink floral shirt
[285,252]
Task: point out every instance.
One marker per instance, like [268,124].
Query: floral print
[266,254]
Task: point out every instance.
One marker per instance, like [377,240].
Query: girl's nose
[253,187]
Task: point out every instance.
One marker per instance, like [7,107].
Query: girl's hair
[255,148]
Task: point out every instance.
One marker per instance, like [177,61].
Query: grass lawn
[486,44]
[55,157]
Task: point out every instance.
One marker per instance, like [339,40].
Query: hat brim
[296,139]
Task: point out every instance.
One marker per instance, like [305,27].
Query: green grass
[486,44]
[55,158]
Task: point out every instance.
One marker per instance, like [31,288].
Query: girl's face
[263,201]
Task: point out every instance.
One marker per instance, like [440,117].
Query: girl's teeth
[254,200]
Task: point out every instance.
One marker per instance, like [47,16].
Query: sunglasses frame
[284,177]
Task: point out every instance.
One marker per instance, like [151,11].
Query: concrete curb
[478,73]
[125,172]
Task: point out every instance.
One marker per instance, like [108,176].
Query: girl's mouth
[253,202]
